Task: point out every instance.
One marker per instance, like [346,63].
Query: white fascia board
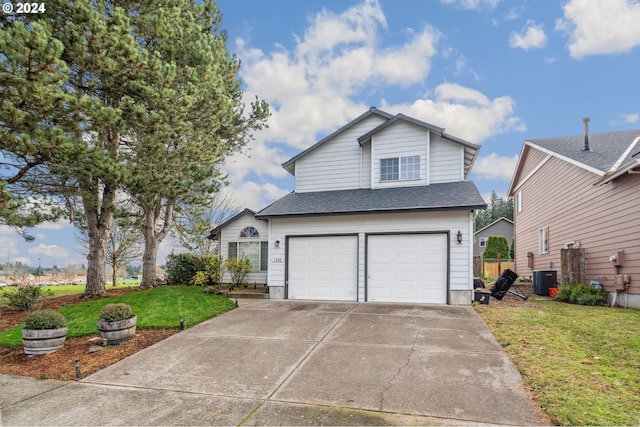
[533,171]
[616,165]
[608,177]
[567,159]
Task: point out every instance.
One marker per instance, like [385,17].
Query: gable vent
[586,134]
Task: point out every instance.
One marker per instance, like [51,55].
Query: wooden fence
[490,268]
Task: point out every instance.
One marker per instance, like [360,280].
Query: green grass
[59,290]
[156,308]
[582,363]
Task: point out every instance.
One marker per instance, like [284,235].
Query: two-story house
[581,194]
[381,211]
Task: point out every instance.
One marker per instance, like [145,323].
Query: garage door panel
[407,268]
[323,267]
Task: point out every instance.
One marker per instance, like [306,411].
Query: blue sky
[493,72]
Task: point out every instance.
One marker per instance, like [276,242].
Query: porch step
[248,295]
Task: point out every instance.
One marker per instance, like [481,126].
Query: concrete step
[254,295]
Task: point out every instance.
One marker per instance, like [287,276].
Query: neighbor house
[381,211]
[243,235]
[577,210]
[500,227]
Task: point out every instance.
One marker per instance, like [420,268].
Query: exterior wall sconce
[459,237]
[276,243]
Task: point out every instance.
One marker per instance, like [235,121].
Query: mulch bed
[61,365]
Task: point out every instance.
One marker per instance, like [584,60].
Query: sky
[492,72]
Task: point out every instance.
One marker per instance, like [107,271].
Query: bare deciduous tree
[193,225]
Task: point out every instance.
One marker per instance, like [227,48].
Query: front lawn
[160,307]
[582,363]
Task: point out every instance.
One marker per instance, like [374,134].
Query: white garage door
[323,268]
[407,268]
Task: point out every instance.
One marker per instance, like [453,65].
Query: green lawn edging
[159,307]
[582,363]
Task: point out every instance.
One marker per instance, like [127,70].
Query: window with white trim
[251,248]
[543,240]
[400,168]
[519,201]
[483,242]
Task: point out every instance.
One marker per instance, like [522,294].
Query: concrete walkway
[296,363]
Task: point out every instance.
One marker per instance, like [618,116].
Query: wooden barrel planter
[118,331]
[43,341]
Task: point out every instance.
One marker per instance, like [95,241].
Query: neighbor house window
[483,242]
[543,240]
[400,168]
[256,251]
[518,201]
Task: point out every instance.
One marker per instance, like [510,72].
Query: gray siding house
[500,227]
[581,192]
[381,211]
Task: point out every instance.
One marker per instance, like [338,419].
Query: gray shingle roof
[606,148]
[443,196]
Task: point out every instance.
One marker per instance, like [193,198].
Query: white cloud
[473,4]
[495,166]
[514,13]
[255,196]
[54,251]
[632,118]
[58,225]
[487,197]
[600,27]
[531,37]
[465,113]
[10,240]
[260,158]
[313,88]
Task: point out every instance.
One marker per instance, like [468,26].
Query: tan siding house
[569,197]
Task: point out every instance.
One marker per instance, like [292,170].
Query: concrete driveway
[296,363]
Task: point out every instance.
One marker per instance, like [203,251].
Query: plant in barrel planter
[117,323]
[45,331]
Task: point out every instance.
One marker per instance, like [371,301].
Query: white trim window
[249,247]
[519,201]
[400,168]
[483,242]
[543,240]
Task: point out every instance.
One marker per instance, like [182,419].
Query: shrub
[212,273]
[181,268]
[116,311]
[495,245]
[25,297]
[238,268]
[45,319]
[581,294]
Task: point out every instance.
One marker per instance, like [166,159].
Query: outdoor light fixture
[181,323]
[277,243]
[78,374]
[459,237]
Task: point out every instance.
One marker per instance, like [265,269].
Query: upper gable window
[249,232]
[400,168]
